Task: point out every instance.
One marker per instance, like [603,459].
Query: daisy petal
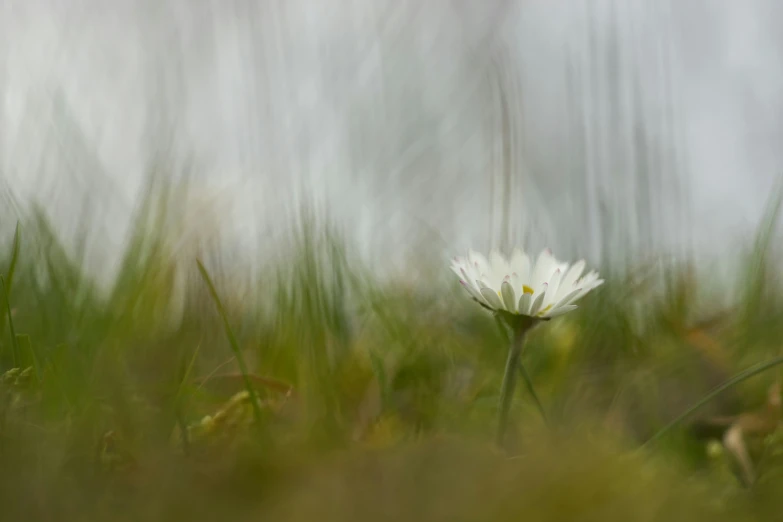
[572,275]
[538,301]
[544,288]
[554,286]
[478,261]
[498,264]
[545,266]
[509,301]
[586,289]
[520,264]
[572,296]
[471,290]
[524,304]
[560,311]
[491,297]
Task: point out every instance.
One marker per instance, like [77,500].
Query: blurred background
[325,160]
[595,127]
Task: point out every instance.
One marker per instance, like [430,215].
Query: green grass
[370,399]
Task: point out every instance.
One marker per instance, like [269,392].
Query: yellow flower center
[527,290]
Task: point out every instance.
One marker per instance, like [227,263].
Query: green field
[375,398]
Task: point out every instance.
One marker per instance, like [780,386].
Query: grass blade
[747,374]
[14,258]
[24,340]
[14,340]
[757,271]
[232,341]
[178,401]
[267,382]
[9,277]
[188,370]
[531,389]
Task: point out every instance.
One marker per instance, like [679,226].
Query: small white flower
[544,289]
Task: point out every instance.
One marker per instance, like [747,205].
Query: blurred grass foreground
[361,398]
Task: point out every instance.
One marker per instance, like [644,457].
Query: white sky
[388,110]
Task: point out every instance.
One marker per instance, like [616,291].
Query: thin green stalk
[14,257]
[178,402]
[233,342]
[746,374]
[14,340]
[520,329]
[25,339]
[507,388]
[531,389]
[186,375]
[12,268]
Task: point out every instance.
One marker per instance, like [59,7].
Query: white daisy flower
[544,289]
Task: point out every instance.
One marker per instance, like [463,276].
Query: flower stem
[510,378]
